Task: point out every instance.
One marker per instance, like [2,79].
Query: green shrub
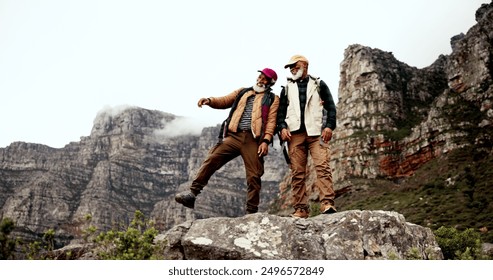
[49,238]
[135,243]
[32,250]
[314,209]
[457,245]
[39,249]
[7,245]
[414,254]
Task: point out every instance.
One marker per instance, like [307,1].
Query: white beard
[298,74]
[259,88]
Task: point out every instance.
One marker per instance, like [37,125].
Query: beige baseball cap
[294,59]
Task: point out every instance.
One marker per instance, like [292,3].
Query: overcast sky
[62,62]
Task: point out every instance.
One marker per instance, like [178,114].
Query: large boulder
[349,235]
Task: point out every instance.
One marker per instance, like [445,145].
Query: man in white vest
[306,118]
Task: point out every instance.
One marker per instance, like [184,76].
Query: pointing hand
[203,101]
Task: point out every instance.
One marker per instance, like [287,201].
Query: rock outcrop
[393,118]
[350,235]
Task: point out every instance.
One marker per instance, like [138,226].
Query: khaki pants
[299,146]
[235,144]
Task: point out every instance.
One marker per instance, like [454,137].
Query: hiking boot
[186,198]
[300,213]
[327,208]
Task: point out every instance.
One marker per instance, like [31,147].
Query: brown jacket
[227,102]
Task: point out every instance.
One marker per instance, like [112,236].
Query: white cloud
[112,111]
[180,126]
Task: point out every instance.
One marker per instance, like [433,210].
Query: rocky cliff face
[128,163]
[393,118]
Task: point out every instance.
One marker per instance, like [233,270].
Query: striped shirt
[246,118]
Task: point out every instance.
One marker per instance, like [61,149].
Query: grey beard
[258,88]
[298,74]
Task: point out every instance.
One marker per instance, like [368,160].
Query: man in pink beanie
[246,132]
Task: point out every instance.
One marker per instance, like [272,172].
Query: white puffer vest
[313,107]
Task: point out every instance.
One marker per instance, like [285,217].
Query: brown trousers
[235,144]
[299,146]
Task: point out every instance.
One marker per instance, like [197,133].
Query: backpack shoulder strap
[267,101]
[324,112]
[317,82]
